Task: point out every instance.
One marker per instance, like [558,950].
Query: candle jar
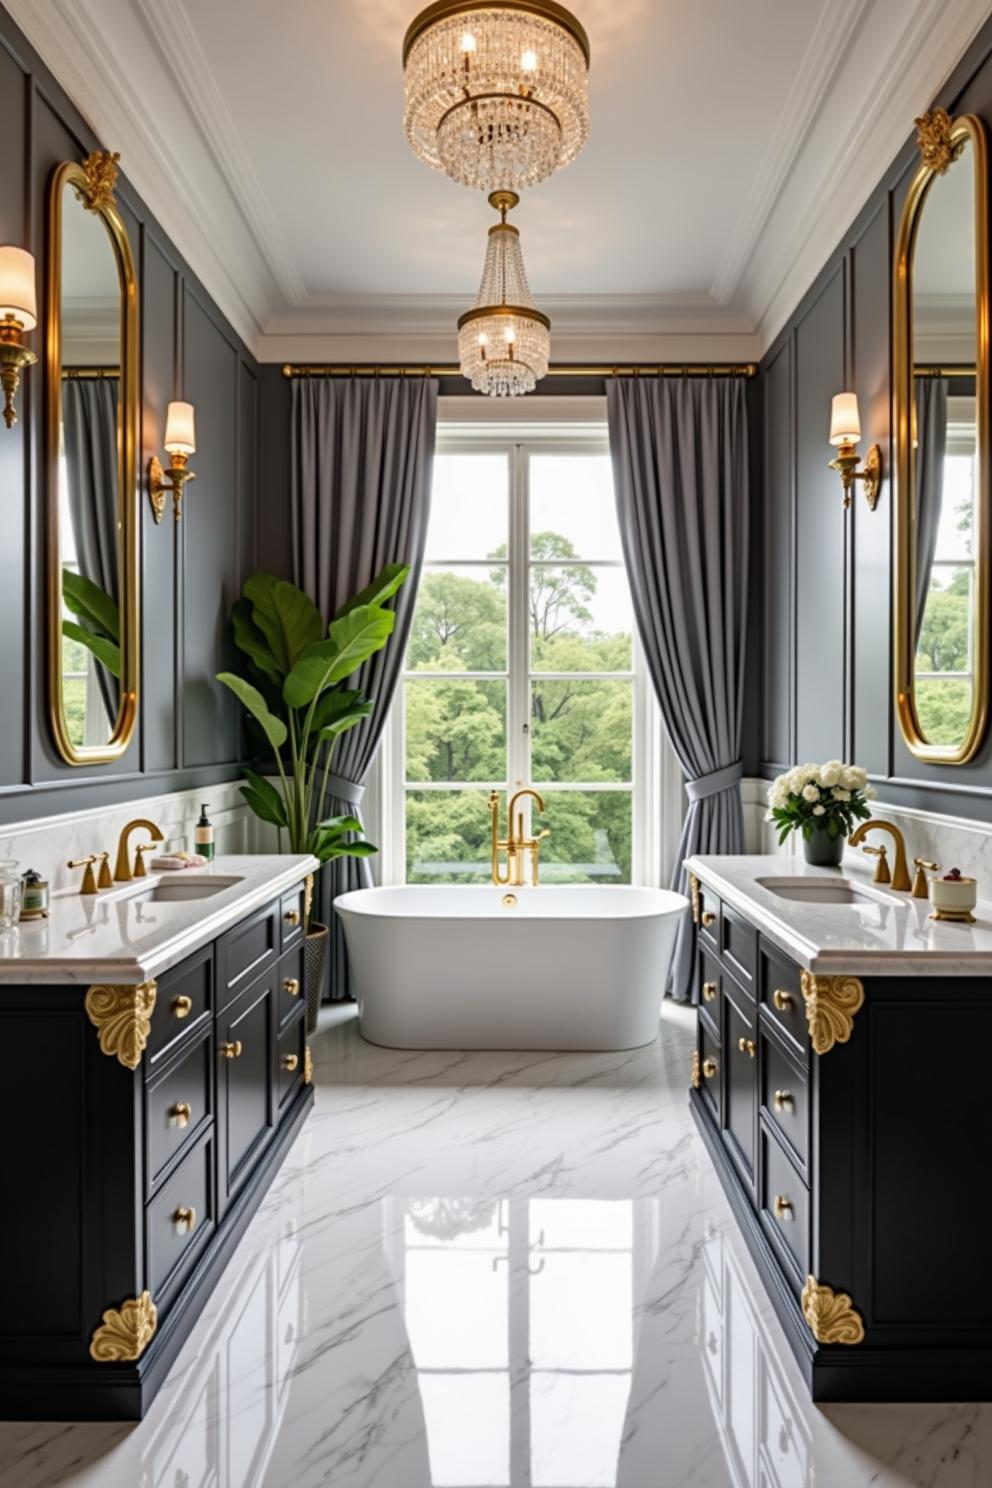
[10,894]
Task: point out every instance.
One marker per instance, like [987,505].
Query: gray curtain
[89,436]
[931,448]
[680,461]
[363,451]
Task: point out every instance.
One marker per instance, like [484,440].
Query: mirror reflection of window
[87,716]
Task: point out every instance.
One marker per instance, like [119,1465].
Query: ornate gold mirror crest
[942,467]
[92,434]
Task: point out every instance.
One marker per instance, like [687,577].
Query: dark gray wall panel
[777,591]
[275,538]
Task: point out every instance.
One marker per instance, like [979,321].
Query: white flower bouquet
[814,799]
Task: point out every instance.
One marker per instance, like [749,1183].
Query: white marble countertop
[122,936]
[885,933]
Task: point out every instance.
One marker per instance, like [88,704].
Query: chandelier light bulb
[468,42]
[529,61]
[504,318]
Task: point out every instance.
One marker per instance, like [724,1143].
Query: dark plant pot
[314,953]
[824,851]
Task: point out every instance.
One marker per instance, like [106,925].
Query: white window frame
[655,783]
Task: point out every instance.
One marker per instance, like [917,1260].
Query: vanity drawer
[245,1064]
[738,947]
[291,1058]
[780,994]
[740,1092]
[708,977]
[290,979]
[177,1105]
[183,1000]
[785,1100]
[291,908]
[710,1070]
[246,953]
[178,1221]
[785,1207]
[708,922]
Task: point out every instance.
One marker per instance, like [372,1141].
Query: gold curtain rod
[82,374]
[960,370]
[690,369]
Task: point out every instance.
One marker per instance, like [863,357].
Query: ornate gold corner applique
[307,1066]
[307,896]
[694,892]
[126,1331]
[697,1073]
[933,135]
[830,1315]
[831,1003]
[122,1017]
[100,170]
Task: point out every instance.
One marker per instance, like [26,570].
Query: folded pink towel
[168,862]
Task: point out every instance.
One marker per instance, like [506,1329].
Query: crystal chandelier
[504,342]
[496,93]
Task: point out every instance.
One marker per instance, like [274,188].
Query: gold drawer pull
[180,1113]
[182,1007]
[292,986]
[783,999]
[709,1068]
[290,1062]
[292,917]
[184,1219]
[232,1051]
[709,991]
[747,1046]
[783,1101]
[708,919]
[783,1207]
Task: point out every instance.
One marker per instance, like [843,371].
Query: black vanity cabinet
[853,1139]
[146,1124]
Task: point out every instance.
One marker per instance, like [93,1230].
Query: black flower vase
[824,851]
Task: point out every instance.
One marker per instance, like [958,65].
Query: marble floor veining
[497,1271]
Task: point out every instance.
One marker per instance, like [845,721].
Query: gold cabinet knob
[783,999]
[232,1051]
[783,1207]
[292,986]
[747,1046]
[709,991]
[184,1219]
[182,1007]
[180,1113]
[709,1068]
[290,1062]
[783,1101]
[708,918]
[292,917]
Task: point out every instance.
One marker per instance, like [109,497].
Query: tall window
[521,667]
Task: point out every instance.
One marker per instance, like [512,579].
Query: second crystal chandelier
[504,342]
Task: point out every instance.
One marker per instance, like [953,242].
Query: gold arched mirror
[93,640]
[940,361]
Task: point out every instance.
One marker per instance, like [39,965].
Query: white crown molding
[935,37]
[827,50]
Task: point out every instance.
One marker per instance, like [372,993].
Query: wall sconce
[18,313]
[180,442]
[845,432]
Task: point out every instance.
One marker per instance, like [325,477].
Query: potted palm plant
[299,706]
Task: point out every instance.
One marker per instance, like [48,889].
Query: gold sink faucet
[900,874]
[515,844]
[122,869]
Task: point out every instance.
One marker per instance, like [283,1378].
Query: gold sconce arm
[180,442]
[846,462]
[14,357]
[18,314]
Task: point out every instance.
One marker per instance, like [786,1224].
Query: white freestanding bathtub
[491,968]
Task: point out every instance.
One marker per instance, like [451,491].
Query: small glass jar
[10,893]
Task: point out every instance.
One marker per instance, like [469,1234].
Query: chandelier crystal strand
[496,94]
[504,341]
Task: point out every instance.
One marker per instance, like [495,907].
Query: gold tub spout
[900,873]
[515,844]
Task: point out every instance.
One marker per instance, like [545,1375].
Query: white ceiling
[731,145]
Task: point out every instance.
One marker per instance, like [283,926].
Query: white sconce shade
[17,287]
[845,422]
[180,429]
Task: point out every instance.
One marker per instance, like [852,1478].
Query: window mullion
[518,709]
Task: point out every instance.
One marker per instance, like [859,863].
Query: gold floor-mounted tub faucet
[515,844]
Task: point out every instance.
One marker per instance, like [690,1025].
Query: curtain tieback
[714,783]
[345,790]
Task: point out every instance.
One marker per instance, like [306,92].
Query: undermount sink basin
[184,890]
[819,890]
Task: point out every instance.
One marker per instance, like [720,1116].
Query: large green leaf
[91,604]
[288,618]
[334,705]
[353,639]
[251,640]
[339,823]
[264,799]
[382,587]
[105,651]
[274,728]
[342,725]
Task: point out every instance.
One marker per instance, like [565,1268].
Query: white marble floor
[492,1270]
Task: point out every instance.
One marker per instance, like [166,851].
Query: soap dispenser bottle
[204,835]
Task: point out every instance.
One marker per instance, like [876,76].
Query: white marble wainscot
[47,843]
[495,1270]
